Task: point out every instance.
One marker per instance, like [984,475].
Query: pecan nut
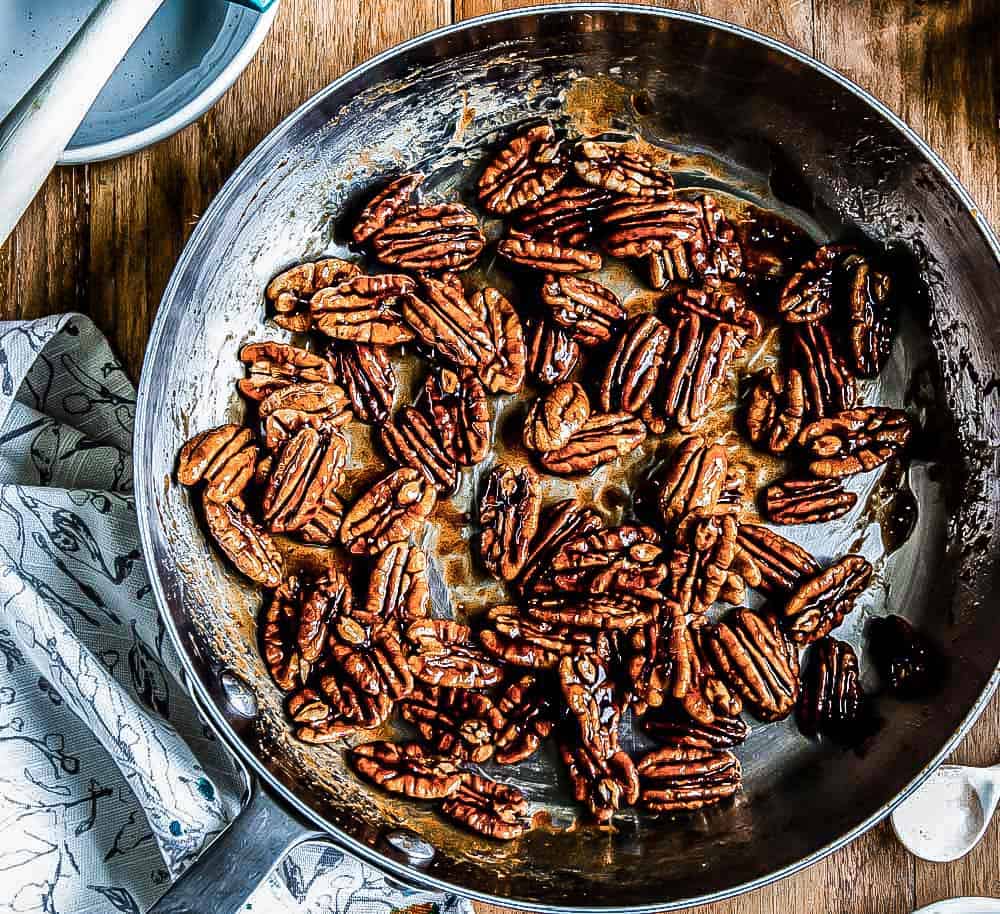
[318,404]
[496,810]
[693,480]
[548,256]
[385,206]
[753,656]
[776,409]
[906,660]
[275,365]
[407,768]
[529,719]
[568,216]
[779,564]
[447,322]
[526,642]
[613,614]
[605,785]
[279,627]
[508,515]
[441,236]
[289,293]
[552,353]
[720,301]
[502,369]
[389,512]
[366,309]
[807,501]
[615,168]
[322,530]
[590,311]
[445,656]
[397,586]
[308,468]
[559,523]
[456,404]
[855,440]
[672,726]
[454,722]
[206,454]
[829,383]
[635,366]
[870,318]
[411,440]
[555,417]
[248,546]
[808,294]
[604,437]
[820,603]
[635,227]
[367,376]
[675,778]
[831,701]
[704,547]
[526,169]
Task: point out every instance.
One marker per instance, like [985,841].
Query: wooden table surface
[103,240]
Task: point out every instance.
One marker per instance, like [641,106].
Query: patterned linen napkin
[110,783]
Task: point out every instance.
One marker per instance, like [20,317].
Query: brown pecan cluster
[632,601]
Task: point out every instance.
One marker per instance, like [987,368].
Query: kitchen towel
[110,783]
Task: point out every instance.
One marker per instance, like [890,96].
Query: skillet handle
[235,863]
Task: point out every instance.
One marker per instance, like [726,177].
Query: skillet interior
[764,125]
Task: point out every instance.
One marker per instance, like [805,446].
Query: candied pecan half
[831,700]
[320,605]
[906,660]
[808,294]
[829,383]
[675,778]
[289,293]
[693,479]
[704,547]
[613,167]
[445,657]
[447,322]
[318,404]
[780,564]
[626,560]
[276,365]
[397,586]
[529,718]
[807,501]
[385,205]
[503,370]
[440,236]
[604,784]
[279,626]
[855,440]
[548,256]
[590,311]
[322,530]
[389,512]
[776,408]
[508,514]
[672,726]
[617,613]
[820,603]
[635,366]
[368,378]
[411,440]
[406,768]
[555,417]
[248,546]
[454,722]
[526,642]
[366,309]
[207,453]
[755,658]
[308,468]
[870,318]
[552,353]
[604,437]
[716,251]
[559,523]
[567,216]
[634,227]
[526,169]
[456,404]
[496,810]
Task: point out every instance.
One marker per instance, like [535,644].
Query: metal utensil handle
[35,133]
[232,866]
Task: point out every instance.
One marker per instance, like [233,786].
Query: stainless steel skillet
[747,115]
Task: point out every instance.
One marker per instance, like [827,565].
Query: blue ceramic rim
[187,114]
